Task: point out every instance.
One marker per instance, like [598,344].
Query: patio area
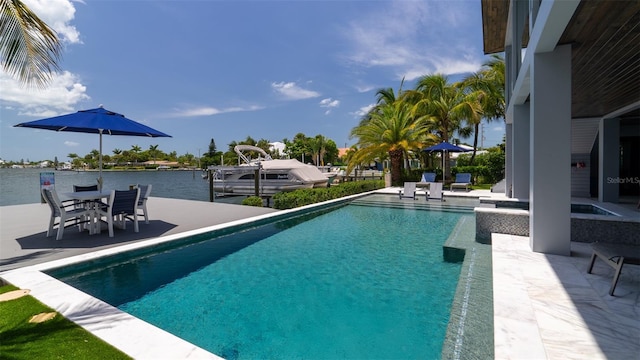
[549,307]
[545,306]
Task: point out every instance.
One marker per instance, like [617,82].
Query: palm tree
[390,129]
[135,150]
[443,106]
[487,87]
[495,73]
[30,49]
[153,150]
[117,155]
[318,149]
[74,159]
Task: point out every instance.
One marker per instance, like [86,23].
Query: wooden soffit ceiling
[605,39]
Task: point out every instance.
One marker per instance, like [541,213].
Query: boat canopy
[304,172]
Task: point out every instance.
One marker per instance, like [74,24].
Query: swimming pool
[339,284]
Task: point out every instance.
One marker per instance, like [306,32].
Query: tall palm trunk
[396,166]
[475,143]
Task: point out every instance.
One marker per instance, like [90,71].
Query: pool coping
[131,335]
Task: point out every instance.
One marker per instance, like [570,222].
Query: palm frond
[29,48]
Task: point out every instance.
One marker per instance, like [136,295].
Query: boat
[269,175]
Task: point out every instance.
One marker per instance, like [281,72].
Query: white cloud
[365,88]
[329,103]
[57,14]
[209,111]
[62,94]
[71,143]
[415,38]
[201,111]
[292,91]
[363,110]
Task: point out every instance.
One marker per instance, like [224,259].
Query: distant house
[343,151]
[278,147]
[469,149]
[163,164]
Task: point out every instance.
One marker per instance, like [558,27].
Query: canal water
[22,186]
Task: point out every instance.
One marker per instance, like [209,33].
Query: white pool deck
[545,306]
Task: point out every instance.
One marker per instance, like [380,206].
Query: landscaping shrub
[488,168]
[301,197]
[478,173]
[252,201]
[416,174]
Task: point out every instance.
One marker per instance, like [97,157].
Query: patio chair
[463,180]
[409,191]
[79,188]
[614,255]
[427,178]
[145,190]
[435,191]
[66,211]
[123,205]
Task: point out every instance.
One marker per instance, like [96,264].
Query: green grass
[481,187]
[57,338]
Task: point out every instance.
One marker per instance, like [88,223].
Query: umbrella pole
[100,163]
[444,165]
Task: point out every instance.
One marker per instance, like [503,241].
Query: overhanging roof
[605,39]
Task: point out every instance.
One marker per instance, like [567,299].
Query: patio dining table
[92,199]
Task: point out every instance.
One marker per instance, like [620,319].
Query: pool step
[415,205]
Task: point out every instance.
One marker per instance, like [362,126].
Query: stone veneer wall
[503,221]
[584,228]
[619,231]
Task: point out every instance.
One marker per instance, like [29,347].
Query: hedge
[302,197]
[253,201]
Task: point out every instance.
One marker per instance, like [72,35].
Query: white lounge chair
[409,191]
[463,180]
[435,191]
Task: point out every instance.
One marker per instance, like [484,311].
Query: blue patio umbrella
[95,121]
[444,147]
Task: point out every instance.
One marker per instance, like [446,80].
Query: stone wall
[503,221]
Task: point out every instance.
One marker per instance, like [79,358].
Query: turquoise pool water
[356,282]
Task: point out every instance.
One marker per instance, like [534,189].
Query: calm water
[357,282]
[22,186]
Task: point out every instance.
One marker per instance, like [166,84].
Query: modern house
[573,106]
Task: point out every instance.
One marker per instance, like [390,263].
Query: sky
[227,69]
